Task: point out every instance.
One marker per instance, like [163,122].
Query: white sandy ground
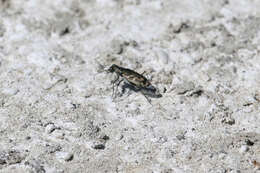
[56,110]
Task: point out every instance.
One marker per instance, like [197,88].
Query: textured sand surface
[56,110]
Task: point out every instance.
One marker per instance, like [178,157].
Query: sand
[56,110]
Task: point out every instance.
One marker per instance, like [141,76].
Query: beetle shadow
[149,91]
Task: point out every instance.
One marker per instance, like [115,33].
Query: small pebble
[50,111]
[104,137]
[50,128]
[99,147]
[221,156]
[35,165]
[204,77]
[162,139]
[117,46]
[28,138]
[58,134]
[243,149]
[184,87]
[180,137]
[228,120]
[162,56]
[233,171]
[248,109]
[11,157]
[119,137]
[66,156]
[10,91]
[168,170]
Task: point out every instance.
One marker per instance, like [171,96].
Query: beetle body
[130,76]
[134,79]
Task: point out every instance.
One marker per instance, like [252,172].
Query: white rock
[221,156]
[50,128]
[10,91]
[248,109]
[162,56]
[243,149]
[58,134]
[64,156]
[235,171]
[117,46]
[50,111]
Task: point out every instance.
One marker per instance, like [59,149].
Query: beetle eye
[111,69]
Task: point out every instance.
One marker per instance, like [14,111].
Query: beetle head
[112,68]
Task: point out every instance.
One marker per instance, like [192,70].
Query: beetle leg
[148,99]
[113,83]
[117,86]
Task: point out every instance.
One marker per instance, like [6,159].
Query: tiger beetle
[134,81]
